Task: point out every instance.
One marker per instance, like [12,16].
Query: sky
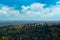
[39,10]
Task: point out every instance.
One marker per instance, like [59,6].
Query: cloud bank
[35,11]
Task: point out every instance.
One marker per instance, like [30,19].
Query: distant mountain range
[6,23]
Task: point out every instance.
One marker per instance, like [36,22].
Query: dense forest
[30,32]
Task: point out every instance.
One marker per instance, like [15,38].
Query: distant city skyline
[38,10]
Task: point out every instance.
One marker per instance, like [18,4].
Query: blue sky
[30,10]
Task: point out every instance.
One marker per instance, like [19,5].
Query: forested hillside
[30,32]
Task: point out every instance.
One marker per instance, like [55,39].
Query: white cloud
[35,8]
[8,11]
[38,9]
[34,11]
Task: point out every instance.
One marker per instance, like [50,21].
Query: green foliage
[30,32]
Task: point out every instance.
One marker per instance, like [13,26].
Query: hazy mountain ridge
[6,23]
